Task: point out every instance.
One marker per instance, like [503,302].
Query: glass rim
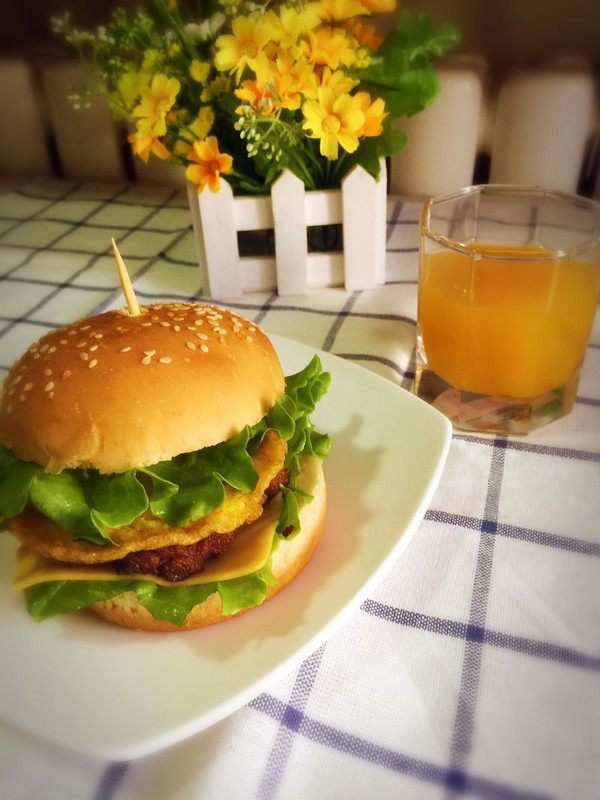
[515,190]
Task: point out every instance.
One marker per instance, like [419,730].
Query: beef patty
[177,562]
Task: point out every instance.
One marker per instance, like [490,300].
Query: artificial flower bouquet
[243,90]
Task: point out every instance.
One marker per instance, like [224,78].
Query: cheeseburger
[158,468]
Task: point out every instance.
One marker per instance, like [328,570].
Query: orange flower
[379,6]
[364,34]
[209,164]
[143,144]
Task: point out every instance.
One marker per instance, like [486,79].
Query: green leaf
[62,498]
[168,603]
[116,499]
[16,479]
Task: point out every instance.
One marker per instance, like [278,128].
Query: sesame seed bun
[288,561]
[116,391]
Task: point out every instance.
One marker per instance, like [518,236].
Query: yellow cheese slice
[249,552]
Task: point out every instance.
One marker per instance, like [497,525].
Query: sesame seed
[149,352]
[28,387]
[198,322]
[165,324]
[146,324]
[52,350]
[190,328]
[62,341]
[178,319]
[47,372]
[85,327]
[191,345]
[165,360]
[125,349]
[204,348]
[97,336]
[201,336]
[51,395]
[249,339]
[49,386]
[72,333]
[80,344]
[67,374]
[146,360]
[44,347]
[176,328]
[252,328]
[93,363]
[17,380]
[83,356]
[36,355]
[93,348]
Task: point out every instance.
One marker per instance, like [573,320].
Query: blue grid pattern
[473,669]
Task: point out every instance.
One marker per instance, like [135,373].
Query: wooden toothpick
[132,303]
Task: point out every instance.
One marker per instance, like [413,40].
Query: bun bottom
[288,561]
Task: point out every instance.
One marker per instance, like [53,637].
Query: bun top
[116,391]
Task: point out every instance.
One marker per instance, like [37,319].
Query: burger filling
[170,519]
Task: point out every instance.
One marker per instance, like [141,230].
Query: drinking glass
[509,282]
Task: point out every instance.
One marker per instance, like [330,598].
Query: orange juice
[505,319]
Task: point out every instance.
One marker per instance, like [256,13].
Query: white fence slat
[325,269]
[541,127]
[253,213]
[87,140]
[291,245]
[258,274]
[364,229]
[220,242]
[324,207]
[23,146]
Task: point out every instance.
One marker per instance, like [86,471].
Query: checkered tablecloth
[473,669]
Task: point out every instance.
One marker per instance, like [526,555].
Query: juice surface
[502,327]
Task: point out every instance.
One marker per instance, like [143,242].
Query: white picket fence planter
[360,206]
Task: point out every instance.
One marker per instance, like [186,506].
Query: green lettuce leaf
[167,603]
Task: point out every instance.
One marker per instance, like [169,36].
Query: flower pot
[275,242]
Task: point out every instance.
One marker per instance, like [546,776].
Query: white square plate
[115,694]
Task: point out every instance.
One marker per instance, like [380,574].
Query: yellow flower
[239,50]
[199,70]
[333,120]
[151,59]
[130,84]
[338,10]
[329,47]
[374,113]
[209,164]
[288,25]
[219,86]
[143,144]
[156,102]
[336,80]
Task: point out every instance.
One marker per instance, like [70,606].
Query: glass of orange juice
[509,282]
